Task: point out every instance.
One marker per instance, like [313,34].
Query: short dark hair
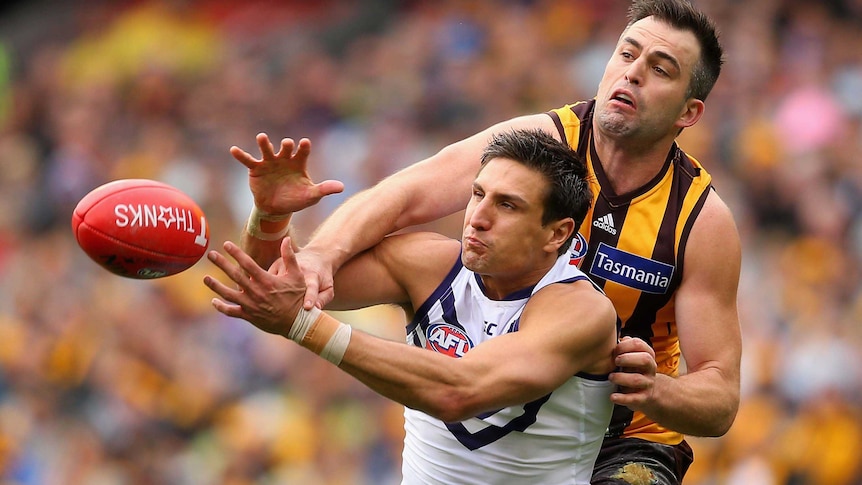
[682,15]
[568,193]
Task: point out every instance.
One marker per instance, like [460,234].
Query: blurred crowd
[105,380]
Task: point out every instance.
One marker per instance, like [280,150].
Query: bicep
[390,272]
[365,281]
[706,301]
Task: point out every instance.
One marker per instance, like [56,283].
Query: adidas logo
[606,223]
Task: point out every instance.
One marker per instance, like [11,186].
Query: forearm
[399,201]
[702,403]
[355,226]
[263,252]
[417,378]
[261,236]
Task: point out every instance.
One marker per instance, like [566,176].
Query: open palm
[279,181]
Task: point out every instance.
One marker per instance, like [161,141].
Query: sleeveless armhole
[444,286]
[686,231]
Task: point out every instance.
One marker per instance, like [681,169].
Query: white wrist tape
[304,320]
[320,333]
[334,350]
[253,227]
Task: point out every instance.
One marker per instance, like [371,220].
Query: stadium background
[112,381]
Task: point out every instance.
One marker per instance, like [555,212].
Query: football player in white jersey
[505,369]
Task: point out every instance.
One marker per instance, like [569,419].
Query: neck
[629,166]
[499,286]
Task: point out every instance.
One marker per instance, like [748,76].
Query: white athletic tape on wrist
[253,227]
[320,333]
[303,321]
[334,350]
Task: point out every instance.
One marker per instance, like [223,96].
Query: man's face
[503,233]
[642,93]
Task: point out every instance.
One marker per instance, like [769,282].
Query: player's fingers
[267,151]
[222,290]
[328,187]
[631,381]
[325,296]
[243,157]
[286,149]
[228,309]
[231,270]
[303,148]
[630,344]
[288,257]
[641,361]
[311,287]
[632,401]
[245,262]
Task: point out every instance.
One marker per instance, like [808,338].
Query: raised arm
[426,191]
[564,329]
[704,401]
[280,185]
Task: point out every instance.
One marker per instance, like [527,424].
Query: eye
[660,70]
[478,194]
[627,55]
[507,205]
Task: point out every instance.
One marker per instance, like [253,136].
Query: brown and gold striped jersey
[632,245]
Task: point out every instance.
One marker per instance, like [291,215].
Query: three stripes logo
[606,223]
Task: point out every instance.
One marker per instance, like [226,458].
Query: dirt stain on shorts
[635,474]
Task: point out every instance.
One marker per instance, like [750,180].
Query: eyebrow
[504,196]
[664,55]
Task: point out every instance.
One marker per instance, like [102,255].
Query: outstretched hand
[269,300]
[636,374]
[279,181]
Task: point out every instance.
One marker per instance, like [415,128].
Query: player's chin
[473,261]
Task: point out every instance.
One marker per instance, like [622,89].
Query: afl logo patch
[578,250]
[447,339]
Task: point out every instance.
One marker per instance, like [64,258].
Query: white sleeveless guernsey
[553,440]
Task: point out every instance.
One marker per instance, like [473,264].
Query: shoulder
[715,224]
[714,250]
[579,319]
[577,301]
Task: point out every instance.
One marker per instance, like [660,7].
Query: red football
[141,228]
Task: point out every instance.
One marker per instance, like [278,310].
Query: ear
[691,113]
[560,232]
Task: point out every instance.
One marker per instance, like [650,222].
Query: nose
[634,72]
[480,217]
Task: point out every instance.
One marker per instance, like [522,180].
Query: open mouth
[624,98]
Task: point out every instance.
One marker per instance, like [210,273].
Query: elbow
[451,407]
[726,418]
[723,418]
[718,429]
